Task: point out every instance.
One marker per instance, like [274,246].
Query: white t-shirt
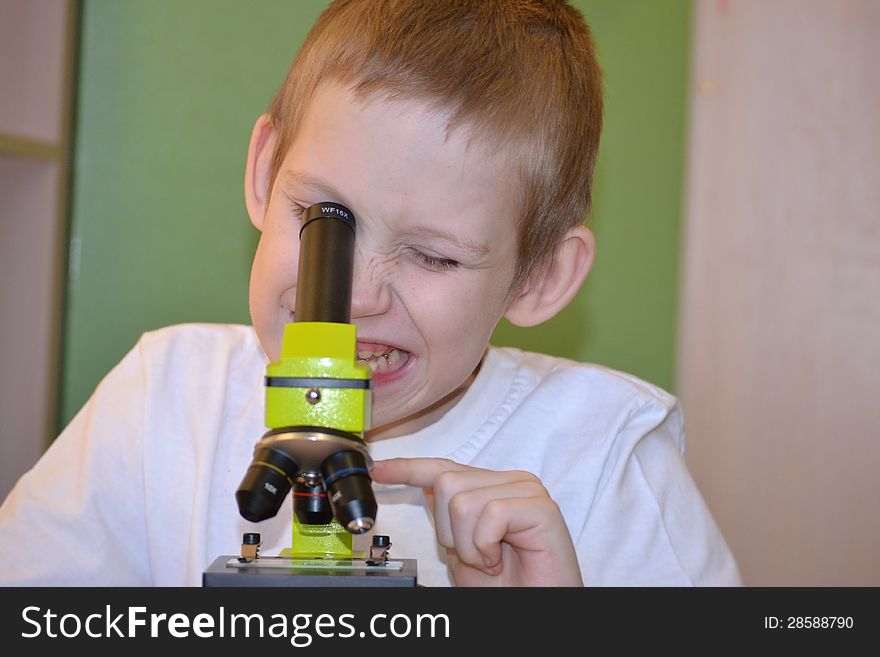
[139,488]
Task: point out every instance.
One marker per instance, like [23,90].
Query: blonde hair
[522,73]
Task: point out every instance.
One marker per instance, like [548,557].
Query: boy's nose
[370,292]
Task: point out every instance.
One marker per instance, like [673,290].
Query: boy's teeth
[380,361]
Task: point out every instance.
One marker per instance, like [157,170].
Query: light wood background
[36,78]
[779,350]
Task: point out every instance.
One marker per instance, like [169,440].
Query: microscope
[317,410]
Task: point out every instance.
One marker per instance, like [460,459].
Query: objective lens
[350,490]
[310,505]
[265,485]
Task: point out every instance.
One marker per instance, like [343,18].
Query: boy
[463,135]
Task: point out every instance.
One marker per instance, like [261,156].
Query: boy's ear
[551,288]
[257,182]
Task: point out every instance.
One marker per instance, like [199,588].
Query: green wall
[168,92]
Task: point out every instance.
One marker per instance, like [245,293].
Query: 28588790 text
[808,622]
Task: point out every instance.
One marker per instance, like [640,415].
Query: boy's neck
[426,417]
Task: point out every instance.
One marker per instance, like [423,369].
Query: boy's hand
[499,528]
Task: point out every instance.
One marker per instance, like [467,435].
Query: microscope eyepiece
[350,490]
[265,485]
[326,264]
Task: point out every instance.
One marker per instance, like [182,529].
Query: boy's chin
[393,426]
[390,420]
[387,407]
[397,413]
[394,414]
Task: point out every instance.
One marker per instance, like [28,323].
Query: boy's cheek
[270,335]
[478,302]
[274,271]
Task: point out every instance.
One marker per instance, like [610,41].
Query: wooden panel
[28,226]
[36,73]
[779,354]
[32,67]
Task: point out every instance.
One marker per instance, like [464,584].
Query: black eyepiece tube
[326,264]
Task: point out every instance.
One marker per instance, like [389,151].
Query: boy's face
[435,248]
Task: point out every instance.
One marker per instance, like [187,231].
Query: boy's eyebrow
[300,178]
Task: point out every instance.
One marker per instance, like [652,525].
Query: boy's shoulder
[199,332]
[581,397]
[201,351]
[195,340]
[539,369]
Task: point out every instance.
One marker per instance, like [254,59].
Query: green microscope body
[317,404]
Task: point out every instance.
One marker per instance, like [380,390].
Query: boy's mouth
[382,359]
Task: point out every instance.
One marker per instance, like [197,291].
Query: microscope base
[230,571]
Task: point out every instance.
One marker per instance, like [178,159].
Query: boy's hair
[520,73]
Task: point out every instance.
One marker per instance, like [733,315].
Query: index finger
[419,472]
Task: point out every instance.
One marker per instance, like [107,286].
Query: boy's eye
[434,262]
[297,208]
